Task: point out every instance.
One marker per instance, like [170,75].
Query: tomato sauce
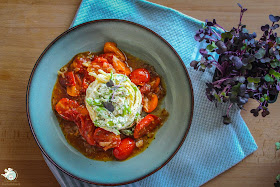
[71,130]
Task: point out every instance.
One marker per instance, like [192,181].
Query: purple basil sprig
[246,67]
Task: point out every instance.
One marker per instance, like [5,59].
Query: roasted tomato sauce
[68,103]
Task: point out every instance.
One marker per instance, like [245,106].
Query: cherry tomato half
[120,66]
[150,103]
[67,109]
[146,88]
[106,139]
[140,76]
[77,64]
[146,125]
[155,82]
[86,128]
[68,79]
[125,149]
[110,47]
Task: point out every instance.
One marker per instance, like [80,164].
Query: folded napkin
[210,147]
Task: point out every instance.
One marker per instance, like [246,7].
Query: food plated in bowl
[139,42]
[99,99]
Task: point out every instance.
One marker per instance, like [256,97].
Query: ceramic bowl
[140,42]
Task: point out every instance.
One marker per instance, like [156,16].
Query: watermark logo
[10,176]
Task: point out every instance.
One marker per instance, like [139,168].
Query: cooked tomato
[77,89]
[108,56]
[73,91]
[146,125]
[140,76]
[82,110]
[146,88]
[110,47]
[102,63]
[150,103]
[75,78]
[106,139]
[77,64]
[67,109]
[86,128]
[68,79]
[99,59]
[125,149]
[120,66]
[86,81]
[155,82]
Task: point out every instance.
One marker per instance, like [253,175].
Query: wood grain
[28,26]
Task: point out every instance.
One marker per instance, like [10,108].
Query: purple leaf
[236,61]
[265,28]
[239,5]
[275,26]
[278,87]
[194,63]
[203,52]
[197,37]
[214,21]
[274,18]
[210,23]
[244,10]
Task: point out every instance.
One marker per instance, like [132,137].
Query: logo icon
[10,174]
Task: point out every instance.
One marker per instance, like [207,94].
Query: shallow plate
[140,42]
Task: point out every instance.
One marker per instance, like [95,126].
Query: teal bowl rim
[30,82]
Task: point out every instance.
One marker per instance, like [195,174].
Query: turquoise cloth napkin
[210,147]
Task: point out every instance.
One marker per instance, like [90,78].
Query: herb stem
[221,80]
[240,19]
[220,27]
[229,109]
[270,31]
[218,35]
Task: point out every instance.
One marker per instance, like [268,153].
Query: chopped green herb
[127,132]
[126,110]
[99,109]
[94,102]
[254,80]
[111,123]
[96,123]
[134,88]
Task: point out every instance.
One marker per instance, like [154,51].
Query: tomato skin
[86,81]
[146,88]
[146,125]
[86,128]
[100,62]
[110,47]
[77,89]
[125,149]
[120,66]
[150,103]
[108,56]
[77,64]
[155,82]
[106,139]
[140,76]
[68,79]
[82,110]
[67,109]
[100,59]
[73,91]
